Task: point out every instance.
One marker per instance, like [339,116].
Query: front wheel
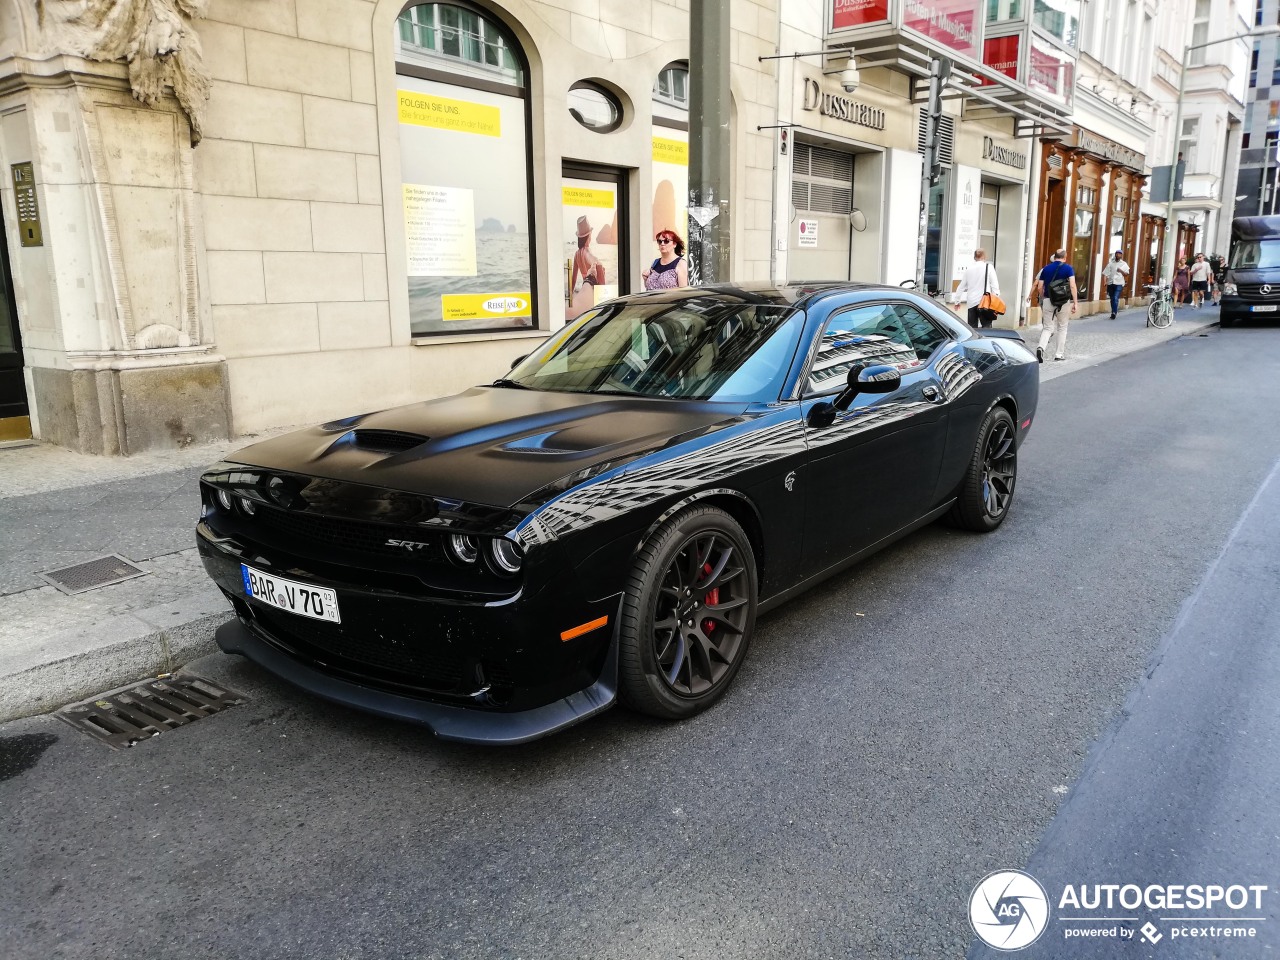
[687,615]
[987,490]
[1160,314]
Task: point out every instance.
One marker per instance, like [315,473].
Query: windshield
[1255,255]
[704,348]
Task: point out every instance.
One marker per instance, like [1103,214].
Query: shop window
[465,157]
[671,149]
[594,107]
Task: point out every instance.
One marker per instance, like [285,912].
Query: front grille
[373,649]
[1253,291]
[358,536]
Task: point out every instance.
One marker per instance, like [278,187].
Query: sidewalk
[59,508]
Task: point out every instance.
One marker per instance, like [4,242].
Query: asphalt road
[1025,699]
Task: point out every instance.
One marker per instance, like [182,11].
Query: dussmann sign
[997,154]
[841,108]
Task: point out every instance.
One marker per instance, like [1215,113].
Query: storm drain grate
[99,572]
[148,709]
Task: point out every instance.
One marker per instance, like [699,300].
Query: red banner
[855,13]
[1001,55]
[952,23]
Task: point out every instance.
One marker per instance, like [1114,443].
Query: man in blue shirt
[1055,287]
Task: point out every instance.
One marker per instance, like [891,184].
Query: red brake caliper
[713,597]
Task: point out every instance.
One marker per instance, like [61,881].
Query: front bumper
[481,671]
[1234,305]
[461,724]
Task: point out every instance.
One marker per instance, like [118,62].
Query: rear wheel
[987,490]
[688,614]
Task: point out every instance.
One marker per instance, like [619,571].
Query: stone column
[116,341]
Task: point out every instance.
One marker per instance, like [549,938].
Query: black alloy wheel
[987,490]
[688,614]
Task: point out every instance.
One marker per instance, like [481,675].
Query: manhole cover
[147,709]
[99,572]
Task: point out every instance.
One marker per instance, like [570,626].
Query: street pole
[709,260]
[1169,224]
[939,70]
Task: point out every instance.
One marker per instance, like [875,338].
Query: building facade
[1255,194]
[290,210]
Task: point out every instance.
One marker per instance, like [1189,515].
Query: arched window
[464,152]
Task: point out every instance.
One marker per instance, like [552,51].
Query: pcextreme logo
[1009,910]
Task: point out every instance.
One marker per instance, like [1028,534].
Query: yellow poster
[428,110]
[675,152]
[587,197]
[486,306]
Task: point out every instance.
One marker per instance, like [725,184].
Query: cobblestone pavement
[59,508]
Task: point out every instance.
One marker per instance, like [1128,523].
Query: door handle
[932,393]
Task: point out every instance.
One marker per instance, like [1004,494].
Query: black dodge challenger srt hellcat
[607,520]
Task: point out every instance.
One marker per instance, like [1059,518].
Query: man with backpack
[1057,284]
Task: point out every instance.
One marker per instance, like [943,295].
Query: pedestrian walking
[1201,273]
[978,279]
[1056,283]
[1219,264]
[1114,274]
[1181,282]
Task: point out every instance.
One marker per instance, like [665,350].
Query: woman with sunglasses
[669,270]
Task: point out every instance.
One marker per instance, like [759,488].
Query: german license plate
[1269,308]
[318,603]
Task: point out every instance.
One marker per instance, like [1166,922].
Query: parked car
[608,520]
[1251,287]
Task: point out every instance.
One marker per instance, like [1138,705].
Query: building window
[1187,142]
[1199,31]
[999,11]
[464,157]
[594,107]
[1059,19]
[672,86]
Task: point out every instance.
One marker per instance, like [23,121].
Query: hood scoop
[385,441]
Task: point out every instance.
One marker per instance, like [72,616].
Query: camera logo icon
[1008,910]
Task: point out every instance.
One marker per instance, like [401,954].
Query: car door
[873,467]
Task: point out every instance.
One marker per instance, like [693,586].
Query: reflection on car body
[606,521]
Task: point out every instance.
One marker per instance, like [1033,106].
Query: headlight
[506,556]
[463,548]
[1229,288]
[224,498]
[248,506]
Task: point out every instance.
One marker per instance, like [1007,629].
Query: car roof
[800,295]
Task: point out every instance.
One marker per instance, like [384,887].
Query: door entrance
[821,201]
[15,420]
[595,255]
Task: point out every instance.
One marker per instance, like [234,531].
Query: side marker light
[584,628]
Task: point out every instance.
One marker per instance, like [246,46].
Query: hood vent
[386,441]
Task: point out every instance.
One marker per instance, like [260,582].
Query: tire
[687,615]
[1163,315]
[1227,320]
[987,490]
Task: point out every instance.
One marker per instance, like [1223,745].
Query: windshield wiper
[504,382]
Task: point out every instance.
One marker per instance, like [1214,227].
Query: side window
[862,336]
[922,335]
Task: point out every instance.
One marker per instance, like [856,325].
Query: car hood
[489,445]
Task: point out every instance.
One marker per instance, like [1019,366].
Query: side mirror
[516,361]
[877,378]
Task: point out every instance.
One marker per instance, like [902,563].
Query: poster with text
[590,251]
[1001,55]
[466,208]
[951,23]
[857,13]
[670,184]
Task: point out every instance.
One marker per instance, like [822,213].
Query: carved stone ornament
[154,37]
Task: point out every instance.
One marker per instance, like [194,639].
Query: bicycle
[1160,310]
